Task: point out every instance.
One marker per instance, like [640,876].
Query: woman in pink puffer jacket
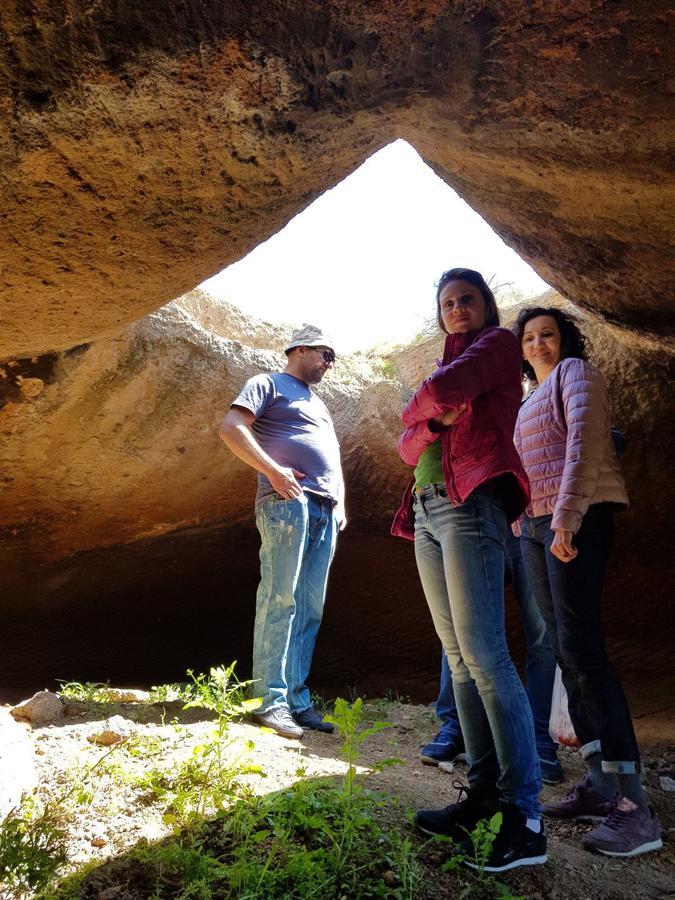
[564,440]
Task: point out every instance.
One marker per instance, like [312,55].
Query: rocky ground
[110,812]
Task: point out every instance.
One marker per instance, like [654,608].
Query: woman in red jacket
[468,485]
[563,437]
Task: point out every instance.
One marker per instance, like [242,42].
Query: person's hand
[340,515]
[450,417]
[285,482]
[562,547]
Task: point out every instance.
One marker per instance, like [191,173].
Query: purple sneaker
[627,831]
[582,804]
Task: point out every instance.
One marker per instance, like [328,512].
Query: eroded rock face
[127,538]
[144,148]
[121,441]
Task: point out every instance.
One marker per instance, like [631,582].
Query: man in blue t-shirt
[279,427]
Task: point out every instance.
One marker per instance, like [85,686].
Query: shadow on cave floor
[143,614]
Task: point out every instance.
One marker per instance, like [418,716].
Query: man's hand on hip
[285,482]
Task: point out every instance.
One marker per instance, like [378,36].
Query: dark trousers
[569,596]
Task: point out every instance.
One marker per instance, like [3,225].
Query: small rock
[666,783]
[114,730]
[43,708]
[30,387]
[126,695]
[110,893]
[447,767]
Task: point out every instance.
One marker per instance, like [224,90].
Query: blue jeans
[297,544]
[539,660]
[460,559]
[569,596]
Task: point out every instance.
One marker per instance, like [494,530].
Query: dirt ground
[110,818]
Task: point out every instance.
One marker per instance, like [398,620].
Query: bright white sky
[362,260]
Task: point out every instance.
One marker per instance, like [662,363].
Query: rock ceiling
[144,146]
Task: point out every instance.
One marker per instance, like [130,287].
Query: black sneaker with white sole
[515,845]
[459,819]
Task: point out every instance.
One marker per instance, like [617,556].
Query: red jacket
[483,370]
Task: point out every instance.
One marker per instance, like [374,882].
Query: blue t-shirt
[294,427]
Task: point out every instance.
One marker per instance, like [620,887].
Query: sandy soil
[112,816]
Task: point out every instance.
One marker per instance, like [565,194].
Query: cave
[143,151]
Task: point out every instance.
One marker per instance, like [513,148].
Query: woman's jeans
[539,660]
[460,558]
[569,596]
[297,545]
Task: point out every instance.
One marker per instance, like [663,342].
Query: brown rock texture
[127,539]
[121,444]
[145,146]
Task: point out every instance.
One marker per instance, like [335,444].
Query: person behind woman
[448,745]
[468,484]
[564,439]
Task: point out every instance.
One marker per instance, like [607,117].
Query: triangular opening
[361,260]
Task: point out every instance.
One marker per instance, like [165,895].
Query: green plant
[209,780]
[391,696]
[220,692]
[85,692]
[166,693]
[320,703]
[482,885]
[32,846]
[315,840]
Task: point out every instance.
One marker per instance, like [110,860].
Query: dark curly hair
[572,341]
[477,280]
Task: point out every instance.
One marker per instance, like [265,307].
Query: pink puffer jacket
[564,439]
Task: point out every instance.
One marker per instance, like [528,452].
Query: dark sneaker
[459,819]
[514,846]
[551,771]
[447,746]
[627,831]
[279,719]
[310,718]
[581,804]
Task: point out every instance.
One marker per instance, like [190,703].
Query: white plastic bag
[560,725]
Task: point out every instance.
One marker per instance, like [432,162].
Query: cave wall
[127,540]
[117,440]
[143,147]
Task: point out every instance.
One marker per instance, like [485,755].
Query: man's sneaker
[581,803]
[515,844]
[627,831]
[279,719]
[459,819]
[447,746]
[551,771]
[310,718]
